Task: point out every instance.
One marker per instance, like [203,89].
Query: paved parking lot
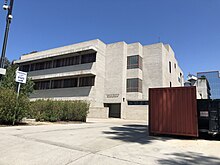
[100,142]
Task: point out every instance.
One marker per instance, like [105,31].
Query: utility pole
[8,22]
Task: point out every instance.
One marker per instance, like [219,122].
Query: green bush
[12,111]
[49,110]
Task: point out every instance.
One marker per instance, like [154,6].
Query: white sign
[2,71]
[21,77]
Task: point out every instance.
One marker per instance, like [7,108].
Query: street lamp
[8,22]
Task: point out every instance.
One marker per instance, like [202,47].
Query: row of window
[68,61]
[65,83]
[134,85]
[133,62]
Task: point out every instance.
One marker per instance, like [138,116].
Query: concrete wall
[134,112]
[115,77]
[169,56]
[102,113]
[202,89]
[152,68]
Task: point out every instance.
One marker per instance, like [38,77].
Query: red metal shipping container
[173,111]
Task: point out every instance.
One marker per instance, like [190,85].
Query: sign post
[21,78]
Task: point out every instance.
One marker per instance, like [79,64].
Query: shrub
[12,111]
[49,110]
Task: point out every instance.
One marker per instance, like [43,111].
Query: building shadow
[136,133]
[189,158]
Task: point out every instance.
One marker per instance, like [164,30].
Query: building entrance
[114,110]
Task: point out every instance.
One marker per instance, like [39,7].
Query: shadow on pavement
[132,133]
[139,133]
[189,158]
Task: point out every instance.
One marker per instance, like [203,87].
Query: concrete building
[214,80]
[114,78]
[201,84]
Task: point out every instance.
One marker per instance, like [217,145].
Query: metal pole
[18,91]
[8,22]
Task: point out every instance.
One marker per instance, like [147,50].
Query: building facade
[213,78]
[201,84]
[114,78]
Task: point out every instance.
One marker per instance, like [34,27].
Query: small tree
[8,82]
[12,110]
[7,63]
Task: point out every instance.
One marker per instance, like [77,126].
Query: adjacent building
[201,84]
[213,78]
[114,78]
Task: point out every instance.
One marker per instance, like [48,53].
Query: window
[134,85]
[70,83]
[134,62]
[32,67]
[87,81]
[74,60]
[88,58]
[25,68]
[138,103]
[48,64]
[58,63]
[57,84]
[170,67]
[42,85]
[175,66]
[65,83]
[39,66]
[170,84]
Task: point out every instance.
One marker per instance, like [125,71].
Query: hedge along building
[114,78]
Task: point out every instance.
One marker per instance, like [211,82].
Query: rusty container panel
[173,111]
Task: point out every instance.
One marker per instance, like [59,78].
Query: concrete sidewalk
[100,142]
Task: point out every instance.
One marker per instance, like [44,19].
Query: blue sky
[191,27]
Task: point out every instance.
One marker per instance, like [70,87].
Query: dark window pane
[32,67]
[57,84]
[48,64]
[39,66]
[70,83]
[58,63]
[24,68]
[134,62]
[138,103]
[170,67]
[86,81]
[73,60]
[134,85]
[42,85]
[66,61]
[36,85]
[88,58]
